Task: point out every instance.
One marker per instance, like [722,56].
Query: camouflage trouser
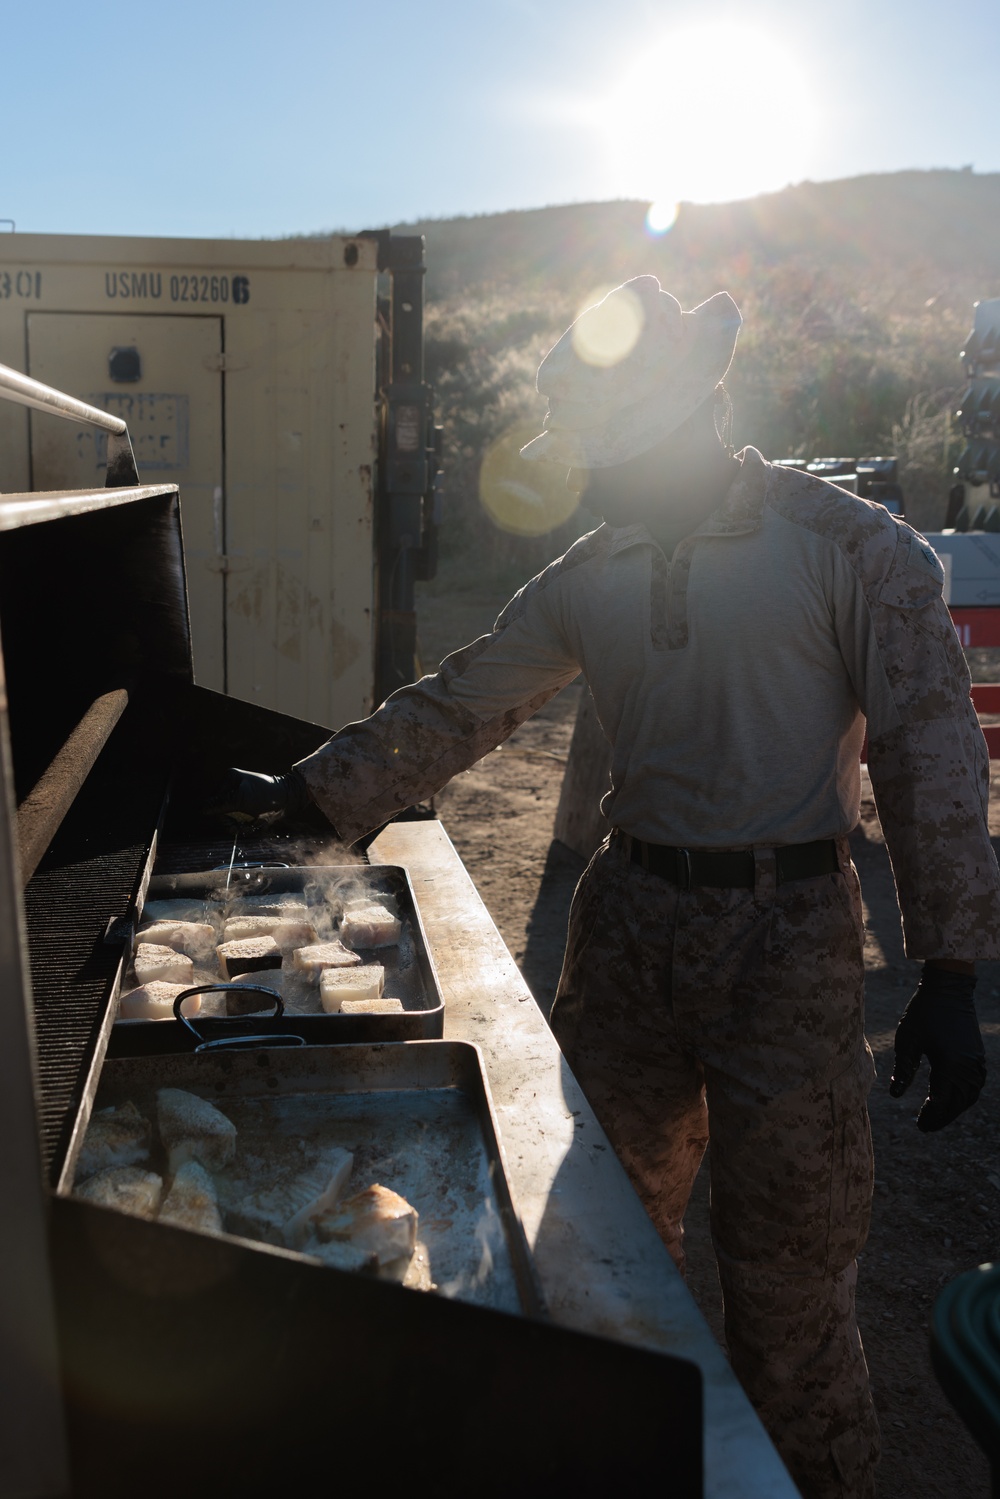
[744,1008]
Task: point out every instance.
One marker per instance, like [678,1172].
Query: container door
[163,376]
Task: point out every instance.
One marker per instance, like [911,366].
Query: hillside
[943,222]
[857,296]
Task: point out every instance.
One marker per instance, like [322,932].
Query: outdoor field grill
[214,1363]
[112,744]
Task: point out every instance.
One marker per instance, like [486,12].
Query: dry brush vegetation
[856,301]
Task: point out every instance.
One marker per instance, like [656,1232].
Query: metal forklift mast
[409,470]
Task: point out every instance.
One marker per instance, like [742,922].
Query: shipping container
[280,385]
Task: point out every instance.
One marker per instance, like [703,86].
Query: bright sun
[708,113]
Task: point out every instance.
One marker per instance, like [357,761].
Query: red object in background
[981,627]
[976,627]
[986,697]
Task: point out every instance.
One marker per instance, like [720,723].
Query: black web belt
[687,867]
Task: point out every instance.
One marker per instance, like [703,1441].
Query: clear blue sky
[267,118]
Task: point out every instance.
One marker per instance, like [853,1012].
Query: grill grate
[89,875]
[215,853]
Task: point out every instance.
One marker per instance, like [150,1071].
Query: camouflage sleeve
[426,733]
[928,763]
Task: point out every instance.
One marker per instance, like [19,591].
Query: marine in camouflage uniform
[713,979]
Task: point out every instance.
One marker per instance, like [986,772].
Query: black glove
[247,797]
[940,1024]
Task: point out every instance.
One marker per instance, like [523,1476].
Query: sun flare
[606,331]
[526,499]
[708,113]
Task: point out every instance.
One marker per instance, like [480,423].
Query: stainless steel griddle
[417,1119]
[410,972]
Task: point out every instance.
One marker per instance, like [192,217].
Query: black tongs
[239,1040]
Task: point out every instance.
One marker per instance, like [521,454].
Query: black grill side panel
[205,1366]
[87,603]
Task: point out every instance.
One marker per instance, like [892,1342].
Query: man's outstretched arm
[424,733]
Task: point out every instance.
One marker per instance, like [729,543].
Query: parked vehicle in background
[967,543]
[871,478]
[972,499]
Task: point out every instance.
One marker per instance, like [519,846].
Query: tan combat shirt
[734,681]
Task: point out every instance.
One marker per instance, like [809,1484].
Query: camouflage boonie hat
[629,371]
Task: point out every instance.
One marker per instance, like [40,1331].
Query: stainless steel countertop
[603,1267]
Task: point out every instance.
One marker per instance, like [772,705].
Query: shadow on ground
[545,936]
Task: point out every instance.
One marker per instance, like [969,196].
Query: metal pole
[40,815]
[24,391]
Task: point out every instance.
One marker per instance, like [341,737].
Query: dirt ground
[937,1197]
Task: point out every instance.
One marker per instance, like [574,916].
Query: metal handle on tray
[231,1043]
[253,864]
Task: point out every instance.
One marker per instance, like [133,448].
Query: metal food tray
[418,1118]
[410,973]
